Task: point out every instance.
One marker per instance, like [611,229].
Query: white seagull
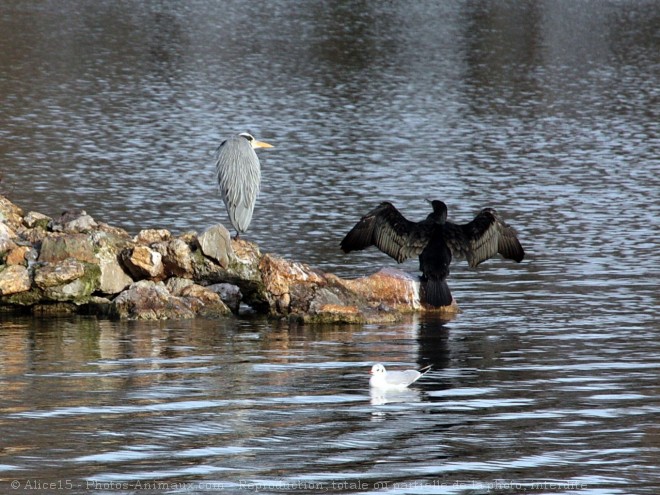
[394,380]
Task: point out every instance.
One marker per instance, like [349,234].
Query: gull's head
[377,370]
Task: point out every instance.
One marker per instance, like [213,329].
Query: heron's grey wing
[388,230]
[239,176]
[483,238]
[403,378]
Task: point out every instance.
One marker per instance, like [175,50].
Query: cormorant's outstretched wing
[483,238]
[388,230]
[508,244]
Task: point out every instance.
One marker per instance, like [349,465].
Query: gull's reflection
[380,397]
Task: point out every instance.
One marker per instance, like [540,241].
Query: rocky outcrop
[74,263]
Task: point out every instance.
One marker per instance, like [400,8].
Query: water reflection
[227,398]
[382,397]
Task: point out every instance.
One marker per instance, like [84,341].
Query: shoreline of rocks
[74,264]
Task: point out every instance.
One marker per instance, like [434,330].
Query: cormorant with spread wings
[436,241]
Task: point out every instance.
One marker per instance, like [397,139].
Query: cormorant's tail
[437,292]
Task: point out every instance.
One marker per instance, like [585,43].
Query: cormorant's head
[490,211]
[439,214]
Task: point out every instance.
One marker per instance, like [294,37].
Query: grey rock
[175,285]
[58,273]
[215,243]
[230,294]
[177,257]
[58,247]
[73,221]
[35,219]
[148,300]
[108,246]
[68,281]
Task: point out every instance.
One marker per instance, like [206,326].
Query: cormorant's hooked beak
[261,144]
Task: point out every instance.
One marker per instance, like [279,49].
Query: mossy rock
[77,291]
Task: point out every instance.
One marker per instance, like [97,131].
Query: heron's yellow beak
[261,144]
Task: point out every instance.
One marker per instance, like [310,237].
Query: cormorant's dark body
[434,263]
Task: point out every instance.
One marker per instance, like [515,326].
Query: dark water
[548,111]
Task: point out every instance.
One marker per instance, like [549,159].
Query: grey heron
[436,241]
[238,173]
